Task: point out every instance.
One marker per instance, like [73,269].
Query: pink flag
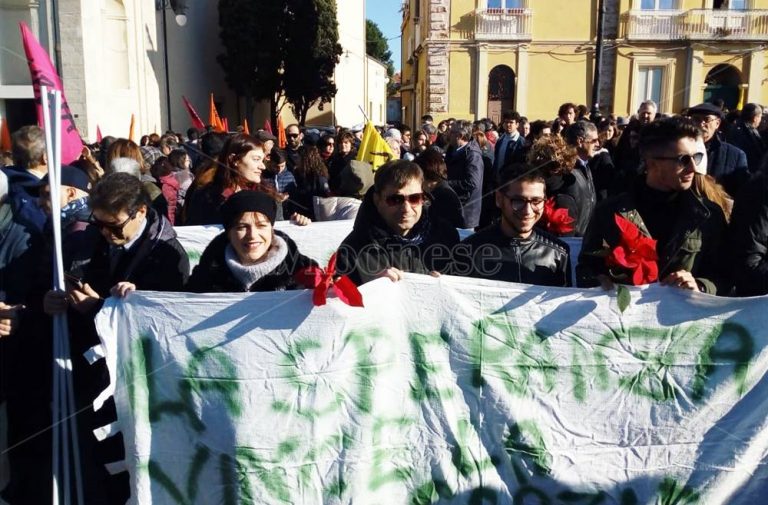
[99,136]
[196,121]
[43,74]
[268,126]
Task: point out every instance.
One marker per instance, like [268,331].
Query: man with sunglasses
[688,228]
[725,162]
[393,233]
[137,249]
[293,138]
[513,249]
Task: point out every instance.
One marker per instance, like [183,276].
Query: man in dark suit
[464,164]
[510,148]
[726,163]
[745,136]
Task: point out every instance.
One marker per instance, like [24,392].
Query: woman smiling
[250,255]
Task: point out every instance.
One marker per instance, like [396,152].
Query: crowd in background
[695,183]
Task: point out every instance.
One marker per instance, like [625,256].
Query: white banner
[448,389]
[318,240]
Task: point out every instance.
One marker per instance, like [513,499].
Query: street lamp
[179,8]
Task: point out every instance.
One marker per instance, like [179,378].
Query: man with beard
[515,250]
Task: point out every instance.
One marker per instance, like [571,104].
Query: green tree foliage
[376,46]
[311,64]
[279,50]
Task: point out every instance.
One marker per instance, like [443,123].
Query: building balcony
[503,24]
[696,24]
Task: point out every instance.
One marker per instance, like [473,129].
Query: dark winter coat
[574,191]
[694,238]
[727,164]
[212,275]
[748,242]
[445,205]
[540,259]
[372,247]
[465,175]
[156,262]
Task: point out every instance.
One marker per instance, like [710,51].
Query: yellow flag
[373,148]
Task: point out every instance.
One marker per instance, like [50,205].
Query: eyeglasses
[397,199]
[114,229]
[704,119]
[684,159]
[519,203]
[595,140]
[292,135]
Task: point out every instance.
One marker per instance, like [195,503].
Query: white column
[521,81]
[755,81]
[481,82]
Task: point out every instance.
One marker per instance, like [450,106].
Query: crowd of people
[692,183]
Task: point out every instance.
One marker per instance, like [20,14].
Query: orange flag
[246,130]
[131,130]
[213,117]
[281,138]
[5,136]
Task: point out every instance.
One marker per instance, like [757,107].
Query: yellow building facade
[477,58]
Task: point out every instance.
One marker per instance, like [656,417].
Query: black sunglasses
[397,199]
[114,229]
[684,159]
[292,135]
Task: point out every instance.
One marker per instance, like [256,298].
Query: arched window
[724,82]
[501,91]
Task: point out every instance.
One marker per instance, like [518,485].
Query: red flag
[99,136]
[5,136]
[246,130]
[268,126]
[282,140]
[43,74]
[225,125]
[196,121]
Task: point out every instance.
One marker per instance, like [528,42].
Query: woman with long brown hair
[239,167]
[311,180]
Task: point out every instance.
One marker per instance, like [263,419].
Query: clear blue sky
[386,14]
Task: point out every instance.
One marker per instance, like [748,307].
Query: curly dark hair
[310,163]
[552,155]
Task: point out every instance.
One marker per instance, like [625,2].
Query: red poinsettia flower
[556,221]
[635,252]
[322,280]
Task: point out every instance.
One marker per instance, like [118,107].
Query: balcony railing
[503,24]
[697,24]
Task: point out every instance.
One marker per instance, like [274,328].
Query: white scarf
[248,275]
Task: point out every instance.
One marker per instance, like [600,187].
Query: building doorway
[723,82]
[501,92]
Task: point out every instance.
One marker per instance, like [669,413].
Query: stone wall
[437,56]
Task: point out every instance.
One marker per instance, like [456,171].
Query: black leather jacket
[541,259]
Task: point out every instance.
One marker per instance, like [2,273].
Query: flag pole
[367,120]
[55,460]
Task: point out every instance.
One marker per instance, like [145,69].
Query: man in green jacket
[688,228]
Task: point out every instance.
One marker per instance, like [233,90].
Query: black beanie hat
[248,201]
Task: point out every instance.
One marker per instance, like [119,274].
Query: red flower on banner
[556,221]
[635,252]
[322,280]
